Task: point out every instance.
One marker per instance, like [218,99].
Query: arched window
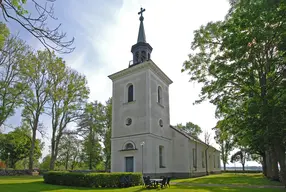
[159,95]
[130,93]
[129,146]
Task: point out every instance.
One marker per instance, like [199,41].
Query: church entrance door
[129,162]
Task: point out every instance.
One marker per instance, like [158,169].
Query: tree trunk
[90,162]
[280,151]
[32,149]
[269,172]
[67,161]
[52,163]
[55,147]
[264,171]
[243,169]
[274,166]
[224,166]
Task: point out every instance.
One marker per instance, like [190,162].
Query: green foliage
[15,145]
[107,134]
[68,94]
[91,127]
[45,163]
[12,86]
[94,180]
[240,156]
[225,139]
[190,128]
[239,62]
[18,4]
[70,148]
[4,34]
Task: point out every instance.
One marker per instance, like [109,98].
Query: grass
[35,184]
[231,179]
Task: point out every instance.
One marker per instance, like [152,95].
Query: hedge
[93,180]
[12,172]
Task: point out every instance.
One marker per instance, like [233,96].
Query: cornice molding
[139,67]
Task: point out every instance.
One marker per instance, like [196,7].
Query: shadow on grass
[37,186]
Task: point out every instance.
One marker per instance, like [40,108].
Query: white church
[142,138]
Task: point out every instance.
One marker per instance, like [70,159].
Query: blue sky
[104,32]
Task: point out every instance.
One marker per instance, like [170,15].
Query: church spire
[141,34]
[141,50]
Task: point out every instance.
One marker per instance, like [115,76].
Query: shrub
[13,172]
[94,180]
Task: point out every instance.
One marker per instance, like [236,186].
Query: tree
[207,136]
[35,74]
[91,128]
[240,62]
[15,145]
[68,94]
[4,34]
[36,25]
[69,150]
[225,140]
[45,163]
[107,134]
[190,128]
[240,156]
[12,55]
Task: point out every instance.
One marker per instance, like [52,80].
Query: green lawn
[35,184]
[230,178]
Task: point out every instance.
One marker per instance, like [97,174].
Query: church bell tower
[140,113]
[141,50]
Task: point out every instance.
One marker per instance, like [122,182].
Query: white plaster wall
[150,154]
[118,157]
[154,153]
[200,148]
[135,110]
[159,111]
[181,153]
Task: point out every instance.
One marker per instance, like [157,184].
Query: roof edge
[192,138]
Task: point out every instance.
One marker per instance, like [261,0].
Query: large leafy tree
[36,23]
[35,74]
[240,156]
[107,134]
[190,128]
[224,139]
[12,55]
[91,128]
[69,151]
[240,62]
[45,165]
[68,94]
[15,146]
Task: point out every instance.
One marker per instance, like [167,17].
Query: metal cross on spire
[141,12]
[141,35]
